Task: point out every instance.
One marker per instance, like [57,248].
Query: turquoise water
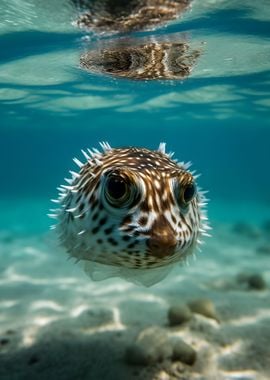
[50,109]
[218,118]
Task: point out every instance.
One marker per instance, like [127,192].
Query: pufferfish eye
[117,191]
[187,194]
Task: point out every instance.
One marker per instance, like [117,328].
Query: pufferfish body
[131,213]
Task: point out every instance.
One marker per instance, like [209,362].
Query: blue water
[218,118]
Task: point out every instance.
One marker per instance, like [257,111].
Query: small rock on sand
[251,281]
[179,314]
[256,282]
[183,352]
[151,346]
[204,307]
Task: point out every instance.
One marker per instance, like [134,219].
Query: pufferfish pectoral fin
[145,277]
[99,272]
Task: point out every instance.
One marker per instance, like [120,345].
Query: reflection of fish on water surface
[142,60]
[127,15]
[132,58]
[131,213]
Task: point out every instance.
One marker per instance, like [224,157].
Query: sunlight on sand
[46,299]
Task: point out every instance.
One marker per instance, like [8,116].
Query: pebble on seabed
[204,307]
[179,314]
[252,281]
[153,345]
[183,352]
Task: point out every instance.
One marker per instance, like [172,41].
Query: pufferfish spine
[131,213]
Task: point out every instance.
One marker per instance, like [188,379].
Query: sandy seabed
[55,323]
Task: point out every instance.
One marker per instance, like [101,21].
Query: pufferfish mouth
[162,241]
[161,247]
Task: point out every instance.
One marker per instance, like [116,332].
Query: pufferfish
[130,212]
